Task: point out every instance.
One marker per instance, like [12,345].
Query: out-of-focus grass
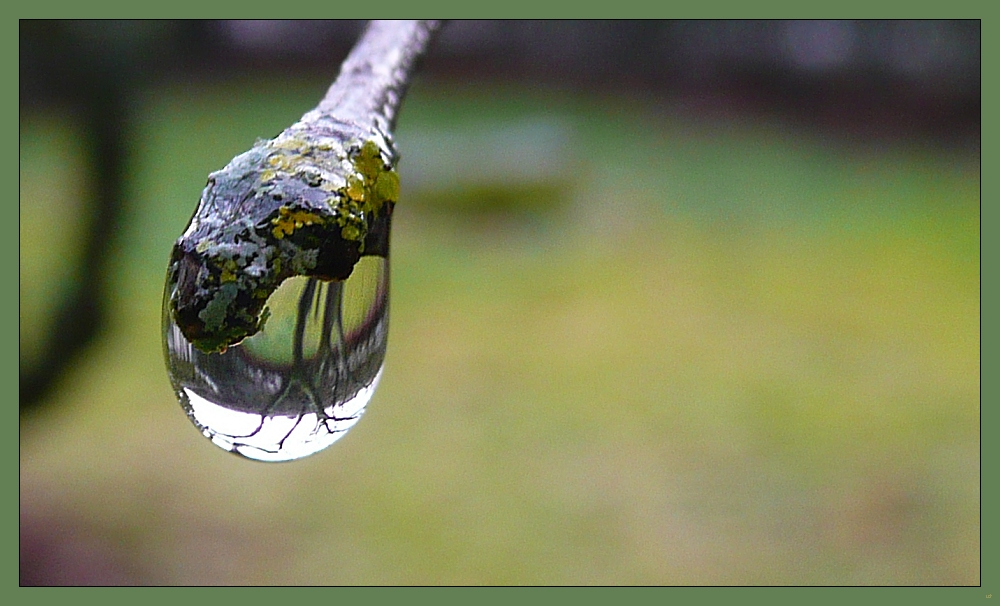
[721,353]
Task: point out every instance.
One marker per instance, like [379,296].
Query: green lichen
[217,311]
[228,269]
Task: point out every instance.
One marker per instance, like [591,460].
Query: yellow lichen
[373,185]
[356,188]
[290,143]
[354,204]
[350,232]
[288,220]
[387,187]
[369,161]
[284,162]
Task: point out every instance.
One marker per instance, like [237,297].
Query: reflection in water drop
[299,384]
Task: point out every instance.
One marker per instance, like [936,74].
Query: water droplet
[299,384]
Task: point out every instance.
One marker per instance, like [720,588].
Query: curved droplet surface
[303,380]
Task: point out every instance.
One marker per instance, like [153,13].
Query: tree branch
[374,77]
[309,202]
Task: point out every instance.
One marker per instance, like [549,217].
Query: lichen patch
[289,219]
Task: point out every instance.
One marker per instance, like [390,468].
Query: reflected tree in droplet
[303,380]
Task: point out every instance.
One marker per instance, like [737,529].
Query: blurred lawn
[628,346]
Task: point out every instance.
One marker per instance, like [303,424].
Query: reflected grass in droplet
[272,342]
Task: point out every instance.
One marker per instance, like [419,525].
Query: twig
[374,77]
[309,202]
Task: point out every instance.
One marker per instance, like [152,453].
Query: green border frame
[989,384]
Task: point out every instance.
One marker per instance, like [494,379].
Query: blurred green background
[631,343]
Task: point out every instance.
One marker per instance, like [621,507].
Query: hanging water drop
[275,309]
[302,380]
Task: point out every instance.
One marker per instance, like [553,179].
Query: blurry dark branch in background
[57,64]
[915,80]
[91,71]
